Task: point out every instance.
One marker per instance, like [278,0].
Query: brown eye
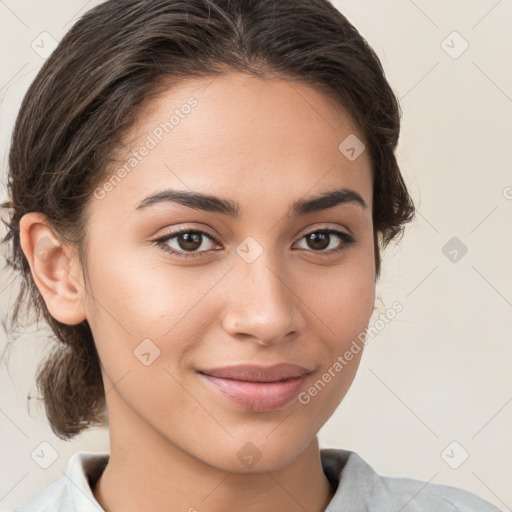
[186,242]
[189,241]
[320,240]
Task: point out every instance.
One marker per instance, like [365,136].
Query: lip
[257,388]
[255,373]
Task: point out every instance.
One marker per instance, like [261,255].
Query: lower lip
[257,396]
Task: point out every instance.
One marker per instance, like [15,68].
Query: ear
[55,268]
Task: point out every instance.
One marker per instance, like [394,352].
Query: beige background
[440,371]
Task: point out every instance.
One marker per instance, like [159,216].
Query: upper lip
[252,373]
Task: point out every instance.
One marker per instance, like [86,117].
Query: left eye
[322,239]
[188,241]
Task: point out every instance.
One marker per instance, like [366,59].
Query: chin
[260,455]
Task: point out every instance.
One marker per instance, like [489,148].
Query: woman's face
[263,286]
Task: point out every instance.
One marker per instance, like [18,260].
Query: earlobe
[55,269]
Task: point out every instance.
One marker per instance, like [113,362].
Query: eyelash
[161,242]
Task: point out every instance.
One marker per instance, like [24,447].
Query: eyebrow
[213,204]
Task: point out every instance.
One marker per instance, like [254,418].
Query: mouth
[257,388]
[254,373]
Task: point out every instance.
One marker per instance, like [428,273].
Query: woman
[199,195]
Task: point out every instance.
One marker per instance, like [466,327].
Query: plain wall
[439,372]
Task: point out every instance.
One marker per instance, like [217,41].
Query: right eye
[187,242]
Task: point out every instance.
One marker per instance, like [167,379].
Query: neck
[157,475]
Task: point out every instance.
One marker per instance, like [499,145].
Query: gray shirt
[358,489]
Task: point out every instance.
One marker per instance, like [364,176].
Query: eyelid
[344,234]
[178,231]
[331,227]
[187,229]
[161,242]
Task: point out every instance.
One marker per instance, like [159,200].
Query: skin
[265,144]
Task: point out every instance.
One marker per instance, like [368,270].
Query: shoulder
[358,485]
[54,497]
[71,492]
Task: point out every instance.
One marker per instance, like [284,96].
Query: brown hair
[88,94]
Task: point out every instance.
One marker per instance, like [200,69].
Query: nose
[261,302]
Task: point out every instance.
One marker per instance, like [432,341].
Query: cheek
[346,302]
[137,315]
[137,295]
[342,298]
[344,305]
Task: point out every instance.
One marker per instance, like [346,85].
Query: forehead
[232,136]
